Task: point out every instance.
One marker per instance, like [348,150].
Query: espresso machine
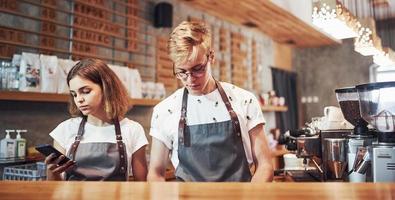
[361,137]
[305,143]
[377,107]
[326,149]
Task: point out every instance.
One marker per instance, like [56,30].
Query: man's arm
[158,161]
[261,155]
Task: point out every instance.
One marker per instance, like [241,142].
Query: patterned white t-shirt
[132,135]
[205,109]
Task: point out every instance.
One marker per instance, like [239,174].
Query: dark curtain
[284,83]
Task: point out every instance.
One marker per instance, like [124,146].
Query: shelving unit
[63,98]
[274,108]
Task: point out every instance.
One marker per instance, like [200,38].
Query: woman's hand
[54,170]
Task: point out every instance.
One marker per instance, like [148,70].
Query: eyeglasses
[196,72]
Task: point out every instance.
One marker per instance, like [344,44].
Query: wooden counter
[173,190]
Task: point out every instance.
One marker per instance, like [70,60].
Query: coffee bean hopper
[361,136]
[377,107]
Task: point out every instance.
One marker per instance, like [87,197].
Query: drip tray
[300,175]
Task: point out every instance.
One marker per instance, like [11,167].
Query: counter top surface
[174,190]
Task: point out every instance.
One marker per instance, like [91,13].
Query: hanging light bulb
[334,19]
[385,57]
[367,43]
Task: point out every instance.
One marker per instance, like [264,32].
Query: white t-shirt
[205,109]
[132,135]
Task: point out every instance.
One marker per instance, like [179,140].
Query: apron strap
[120,145]
[78,138]
[183,138]
[232,113]
[182,122]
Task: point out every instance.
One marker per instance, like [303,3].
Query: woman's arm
[54,171]
[139,165]
[261,155]
[158,161]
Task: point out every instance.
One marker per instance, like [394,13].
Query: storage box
[27,172]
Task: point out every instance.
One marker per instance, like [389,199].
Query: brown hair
[186,36]
[115,95]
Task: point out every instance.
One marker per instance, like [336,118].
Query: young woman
[102,143]
[214,130]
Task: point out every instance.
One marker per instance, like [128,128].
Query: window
[382,73]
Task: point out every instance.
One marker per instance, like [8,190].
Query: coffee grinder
[377,107]
[361,137]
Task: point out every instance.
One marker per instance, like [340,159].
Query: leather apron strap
[78,137]
[121,147]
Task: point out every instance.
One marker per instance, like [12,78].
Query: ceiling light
[335,19]
[368,43]
[385,58]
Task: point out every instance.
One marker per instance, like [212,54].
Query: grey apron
[98,161]
[211,152]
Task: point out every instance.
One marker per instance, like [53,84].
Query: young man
[213,130]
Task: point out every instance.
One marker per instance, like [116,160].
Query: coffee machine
[326,149]
[334,154]
[377,107]
[361,136]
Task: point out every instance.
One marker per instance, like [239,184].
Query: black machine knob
[291,145]
[283,139]
[297,133]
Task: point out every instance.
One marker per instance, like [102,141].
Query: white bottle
[7,146]
[20,144]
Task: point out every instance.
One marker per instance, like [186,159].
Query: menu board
[112,30]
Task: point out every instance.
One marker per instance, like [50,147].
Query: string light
[367,43]
[335,20]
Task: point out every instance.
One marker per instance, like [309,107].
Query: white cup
[281,101]
[160,91]
[291,162]
[151,88]
[333,113]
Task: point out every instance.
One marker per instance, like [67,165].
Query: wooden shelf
[144,102]
[63,98]
[274,108]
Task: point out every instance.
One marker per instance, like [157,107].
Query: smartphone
[47,149]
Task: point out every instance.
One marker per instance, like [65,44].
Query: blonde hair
[115,95]
[185,37]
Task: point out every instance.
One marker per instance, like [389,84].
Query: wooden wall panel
[256,83]
[283,56]
[164,65]
[223,48]
[109,30]
[117,32]
[238,59]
